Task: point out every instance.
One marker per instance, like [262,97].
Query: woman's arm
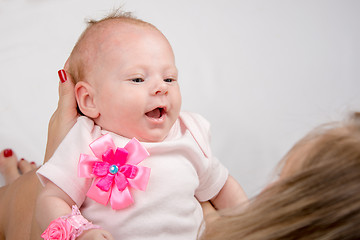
[52,202]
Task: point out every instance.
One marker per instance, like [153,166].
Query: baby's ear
[85,99]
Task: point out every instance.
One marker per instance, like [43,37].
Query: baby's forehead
[98,39]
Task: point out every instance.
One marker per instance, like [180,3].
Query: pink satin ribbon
[115,170]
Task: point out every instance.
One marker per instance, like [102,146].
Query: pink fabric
[68,227]
[115,170]
[182,172]
[59,229]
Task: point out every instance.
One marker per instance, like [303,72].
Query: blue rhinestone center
[113,169]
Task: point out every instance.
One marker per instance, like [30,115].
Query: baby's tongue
[154,113]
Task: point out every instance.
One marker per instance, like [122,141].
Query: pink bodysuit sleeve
[211,172]
[62,168]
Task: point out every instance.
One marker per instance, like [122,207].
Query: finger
[67,85]
[66,91]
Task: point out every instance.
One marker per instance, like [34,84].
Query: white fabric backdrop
[262,72]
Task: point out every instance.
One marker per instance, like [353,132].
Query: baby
[135,165]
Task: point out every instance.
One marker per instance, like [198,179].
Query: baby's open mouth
[156,113]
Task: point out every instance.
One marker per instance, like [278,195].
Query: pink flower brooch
[115,171]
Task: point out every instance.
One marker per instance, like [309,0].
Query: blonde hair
[81,56]
[320,200]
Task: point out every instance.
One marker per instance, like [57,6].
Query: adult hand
[209,212]
[64,117]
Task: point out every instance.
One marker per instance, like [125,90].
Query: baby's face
[135,85]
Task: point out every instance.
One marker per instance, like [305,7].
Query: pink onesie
[183,172]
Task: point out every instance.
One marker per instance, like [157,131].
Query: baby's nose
[161,88]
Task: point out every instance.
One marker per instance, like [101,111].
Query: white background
[263,72]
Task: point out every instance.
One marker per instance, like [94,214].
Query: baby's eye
[137,80]
[169,80]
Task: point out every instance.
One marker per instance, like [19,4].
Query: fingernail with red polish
[8,152]
[62,75]
[22,159]
[32,162]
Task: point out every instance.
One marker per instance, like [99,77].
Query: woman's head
[316,197]
[326,144]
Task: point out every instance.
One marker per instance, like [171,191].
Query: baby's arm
[53,203]
[230,195]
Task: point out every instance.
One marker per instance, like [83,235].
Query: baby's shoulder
[199,128]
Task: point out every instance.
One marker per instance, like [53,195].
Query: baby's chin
[143,137]
[147,135]
[151,138]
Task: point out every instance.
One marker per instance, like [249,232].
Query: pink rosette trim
[59,229]
[68,227]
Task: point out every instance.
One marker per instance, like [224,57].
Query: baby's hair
[80,57]
[119,14]
[320,200]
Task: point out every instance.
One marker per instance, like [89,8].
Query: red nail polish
[8,152]
[62,75]
[32,162]
[22,159]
